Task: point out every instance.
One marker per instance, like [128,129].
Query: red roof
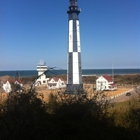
[19,81]
[9,80]
[5,81]
[112,84]
[12,81]
[55,79]
[108,78]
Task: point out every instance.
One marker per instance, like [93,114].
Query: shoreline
[87,75]
[110,74]
[85,72]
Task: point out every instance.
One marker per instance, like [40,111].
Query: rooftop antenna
[113,72]
[41,63]
[17,76]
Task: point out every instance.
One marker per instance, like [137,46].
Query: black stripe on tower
[74,36]
[73,16]
[73,10]
[70,68]
[79,66]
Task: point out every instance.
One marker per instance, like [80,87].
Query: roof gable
[108,78]
[17,82]
[6,82]
[12,81]
[55,79]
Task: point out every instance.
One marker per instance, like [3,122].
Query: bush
[25,116]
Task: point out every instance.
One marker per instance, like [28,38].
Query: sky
[34,30]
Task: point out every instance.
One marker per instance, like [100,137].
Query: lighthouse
[74,72]
[41,68]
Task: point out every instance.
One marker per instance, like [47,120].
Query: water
[27,73]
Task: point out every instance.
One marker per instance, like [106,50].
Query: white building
[51,83]
[105,82]
[7,85]
[18,82]
[55,82]
[41,68]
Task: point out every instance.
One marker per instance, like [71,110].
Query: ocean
[89,72]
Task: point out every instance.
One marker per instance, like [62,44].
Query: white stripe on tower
[70,35]
[75,68]
[78,36]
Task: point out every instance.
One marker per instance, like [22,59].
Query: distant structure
[50,83]
[74,72]
[41,68]
[55,82]
[7,85]
[105,82]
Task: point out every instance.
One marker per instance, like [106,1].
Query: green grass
[120,105]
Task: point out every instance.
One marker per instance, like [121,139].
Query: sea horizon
[87,72]
[66,69]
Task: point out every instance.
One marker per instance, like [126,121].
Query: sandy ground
[42,90]
[118,91]
[88,88]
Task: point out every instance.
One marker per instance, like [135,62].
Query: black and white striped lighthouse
[74,72]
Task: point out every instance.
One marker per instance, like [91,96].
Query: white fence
[115,96]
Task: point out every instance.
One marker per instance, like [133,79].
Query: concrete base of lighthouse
[74,89]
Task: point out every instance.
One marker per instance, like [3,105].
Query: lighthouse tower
[41,68]
[74,73]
